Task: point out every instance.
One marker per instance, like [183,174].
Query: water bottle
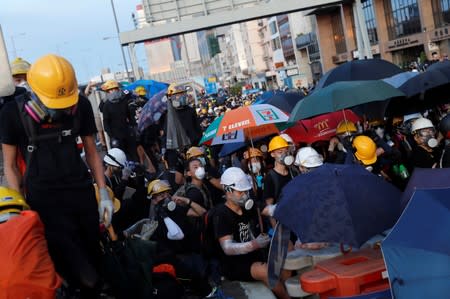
[404,174]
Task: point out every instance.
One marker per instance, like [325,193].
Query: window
[276,43]
[441,12]
[338,33]
[273,28]
[371,23]
[402,17]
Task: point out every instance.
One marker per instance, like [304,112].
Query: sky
[73,29]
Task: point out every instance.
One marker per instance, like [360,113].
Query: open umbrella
[338,203]
[152,110]
[151,86]
[417,250]
[367,69]
[399,79]
[425,82]
[342,95]
[285,101]
[321,127]
[439,65]
[425,178]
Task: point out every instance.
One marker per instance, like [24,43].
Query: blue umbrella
[425,178]
[152,110]
[367,69]
[151,86]
[439,65]
[417,250]
[265,96]
[399,79]
[425,82]
[338,203]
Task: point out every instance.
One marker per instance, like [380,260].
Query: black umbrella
[368,69]
[286,101]
[439,65]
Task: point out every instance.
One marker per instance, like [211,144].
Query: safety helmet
[247,103]
[53,80]
[140,91]
[158,186]
[194,152]
[236,179]
[376,122]
[116,202]
[204,111]
[19,66]
[366,150]
[277,142]
[346,126]
[421,123]
[411,116]
[308,157]
[444,126]
[115,157]
[175,89]
[287,138]
[110,84]
[11,201]
[253,152]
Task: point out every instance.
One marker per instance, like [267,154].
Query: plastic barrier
[355,273]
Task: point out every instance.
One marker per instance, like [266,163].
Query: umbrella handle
[343,250]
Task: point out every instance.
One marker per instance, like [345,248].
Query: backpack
[209,244]
[183,190]
[34,138]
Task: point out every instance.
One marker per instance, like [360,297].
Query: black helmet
[444,126]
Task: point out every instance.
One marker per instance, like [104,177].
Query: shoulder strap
[207,202]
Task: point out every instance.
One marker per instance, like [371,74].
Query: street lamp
[14,44]
[118,33]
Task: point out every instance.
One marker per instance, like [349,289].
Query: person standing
[42,127]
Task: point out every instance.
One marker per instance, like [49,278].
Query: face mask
[380,132]
[202,160]
[429,140]
[24,84]
[200,173]
[244,201]
[114,96]
[255,167]
[176,104]
[286,159]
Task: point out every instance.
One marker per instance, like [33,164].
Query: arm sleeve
[9,132]
[87,125]
[269,187]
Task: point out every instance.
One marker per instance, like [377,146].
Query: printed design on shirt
[245,234]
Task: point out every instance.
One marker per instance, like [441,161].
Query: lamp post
[118,33]
[14,44]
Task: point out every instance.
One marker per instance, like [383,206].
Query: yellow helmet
[110,84]
[194,152]
[158,186]
[204,111]
[174,89]
[140,91]
[277,142]
[11,201]
[53,80]
[247,103]
[19,66]
[111,195]
[346,126]
[366,150]
[252,153]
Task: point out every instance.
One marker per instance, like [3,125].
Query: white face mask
[255,167]
[200,173]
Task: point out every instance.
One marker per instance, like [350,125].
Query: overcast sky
[73,29]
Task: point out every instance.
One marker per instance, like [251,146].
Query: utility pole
[121,48]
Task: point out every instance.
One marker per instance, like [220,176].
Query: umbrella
[400,78]
[439,65]
[151,86]
[425,82]
[417,250]
[152,110]
[176,137]
[338,203]
[425,178]
[342,95]
[321,127]
[285,101]
[367,69]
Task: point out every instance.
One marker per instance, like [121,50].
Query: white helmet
[235,178]
[421,123]
[115,157]
[287,138]
[412,116]
[308,157]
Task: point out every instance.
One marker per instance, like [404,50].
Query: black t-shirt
[270,186]
[242,228]
[424,159]
[54,164]
[216,194]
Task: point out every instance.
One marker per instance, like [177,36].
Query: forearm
[197,210]
[13,177]
[230,247]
